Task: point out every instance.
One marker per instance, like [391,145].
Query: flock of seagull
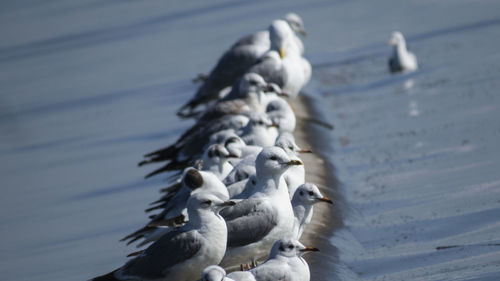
[238,193]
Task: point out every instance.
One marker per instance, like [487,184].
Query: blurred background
[88,87]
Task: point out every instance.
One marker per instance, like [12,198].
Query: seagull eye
[261,123]
[208,202]
[253,83]
[311,193]
[217,153]
[302,193]
[290,147]
[290,247]
[273,158]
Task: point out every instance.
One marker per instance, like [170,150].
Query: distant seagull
[303,201]
[182,253]
[401,60]
[285,262]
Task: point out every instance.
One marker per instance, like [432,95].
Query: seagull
[240,187]
[296,175]
[303,200]
[283,64]
[174,205]
[215,160]
[281,114]
[241,171]
[256,222]
[235,145]
[182,253]
[401,60]
[285,262]
[233,64]
[259,131]
[249,95]
[293,64]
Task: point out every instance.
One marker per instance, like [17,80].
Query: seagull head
[396,38]
[260,120]
[309,194]
[217,154]
[252,83]
[289,247]
[205,201]
[213,273]
[273,160]
[200,181]
[286,141]
[296,23]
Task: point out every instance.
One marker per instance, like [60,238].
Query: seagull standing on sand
[254,224]
[303,201]
[182,253]
[285,262]
[401,60]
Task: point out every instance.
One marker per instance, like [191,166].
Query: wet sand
[326,218]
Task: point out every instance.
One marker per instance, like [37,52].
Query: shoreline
[319,170]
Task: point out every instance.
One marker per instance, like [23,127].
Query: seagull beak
[227,204]
[325,199]
[273,125]
[305,151]
[309,249]
[282,53]
[232,156]
[294,162]
[283,94]
[391,42]
[302,32]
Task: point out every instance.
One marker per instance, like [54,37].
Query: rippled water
[87,87]
[417,154]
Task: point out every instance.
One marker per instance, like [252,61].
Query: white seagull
[303,201]
[401,60]
[254,224]
[182,253]
[285,262]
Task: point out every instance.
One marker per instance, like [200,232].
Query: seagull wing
[251,227]
[171,249]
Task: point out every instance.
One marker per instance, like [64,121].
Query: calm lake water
[87,87]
